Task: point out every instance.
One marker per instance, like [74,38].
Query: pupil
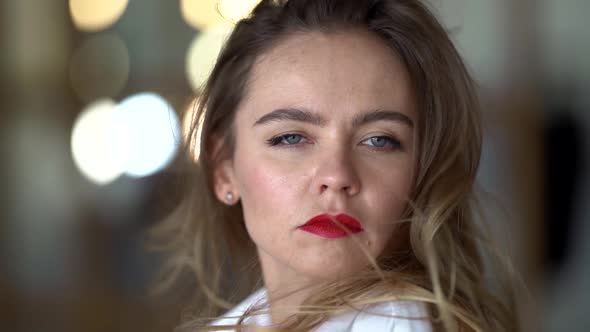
[378,141]
[292,139]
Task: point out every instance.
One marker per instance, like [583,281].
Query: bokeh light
[203,53]
[93,15]
[200,14]
[235,10]
[99,68]
[93,142]
[204,14]
[148,135]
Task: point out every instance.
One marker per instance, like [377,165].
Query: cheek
[396,194]
[269,192]
[386,201]
[389,184]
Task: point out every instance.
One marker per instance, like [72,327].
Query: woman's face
[326,127]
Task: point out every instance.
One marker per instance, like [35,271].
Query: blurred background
[83,81]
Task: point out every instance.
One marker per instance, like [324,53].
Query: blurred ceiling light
[149,133]
[99,68]
[235,10]
[93,142]
[200,14]
[203,53]
[94,15]
[192,141]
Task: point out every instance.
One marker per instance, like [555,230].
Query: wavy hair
[442,264]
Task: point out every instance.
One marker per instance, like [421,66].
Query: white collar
[395,316]
[231,317]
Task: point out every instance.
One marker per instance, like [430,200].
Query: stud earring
[229,197]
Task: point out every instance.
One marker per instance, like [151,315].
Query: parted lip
[331,225]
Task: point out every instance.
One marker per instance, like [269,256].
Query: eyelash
[278,141]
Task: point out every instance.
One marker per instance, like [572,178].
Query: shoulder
[394,316]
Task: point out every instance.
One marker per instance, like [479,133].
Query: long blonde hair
[442,262]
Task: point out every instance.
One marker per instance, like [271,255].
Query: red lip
[330,227]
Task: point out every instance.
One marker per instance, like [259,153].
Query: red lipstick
[331,227]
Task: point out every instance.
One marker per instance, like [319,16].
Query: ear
[225,183]
[224,180]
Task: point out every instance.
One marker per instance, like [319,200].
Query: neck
[286,289]
[283,302]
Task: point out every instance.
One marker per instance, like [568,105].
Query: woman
[340,143]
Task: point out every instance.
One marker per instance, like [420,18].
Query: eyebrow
[292,114]
[382,115]
[306,116]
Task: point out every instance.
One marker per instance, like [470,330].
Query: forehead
[347,71]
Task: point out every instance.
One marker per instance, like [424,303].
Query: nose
[336,173]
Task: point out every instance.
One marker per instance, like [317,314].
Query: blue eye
[286,139]
[383,142]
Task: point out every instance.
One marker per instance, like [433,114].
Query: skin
[332,166]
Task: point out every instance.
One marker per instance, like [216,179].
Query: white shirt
[395,316]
